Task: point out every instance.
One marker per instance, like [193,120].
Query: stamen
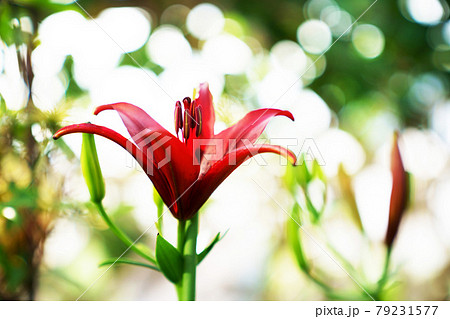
[193,108]
[186,128]
[198,119]
[178,117]
[187,103]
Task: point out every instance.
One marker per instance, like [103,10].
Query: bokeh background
[351,72]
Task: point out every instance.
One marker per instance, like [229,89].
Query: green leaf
[6,30]
[302,173]
[290,179]
[315,214]
[206,251]
[294,240]
[348,195]
[127,261]
[65,148]
[169,260]
[317,172]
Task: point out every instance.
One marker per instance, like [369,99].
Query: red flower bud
[399,194]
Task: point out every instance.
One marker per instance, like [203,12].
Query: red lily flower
[185,171]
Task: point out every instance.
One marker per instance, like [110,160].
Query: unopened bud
[91,168]
[399,194]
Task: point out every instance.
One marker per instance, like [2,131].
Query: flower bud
[399,194]
[91,168]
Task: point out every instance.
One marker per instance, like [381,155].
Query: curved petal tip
[101,108]
[287,114]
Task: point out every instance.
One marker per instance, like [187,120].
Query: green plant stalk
[187,290]
[385,274]
[180,245]
[121,235]
[296,245]
[160,210]
[295,242]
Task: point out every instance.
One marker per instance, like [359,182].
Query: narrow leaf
[127,261]
[206,251]
[317,172]
[290,179]
[294,239]
[169,260]
[302,173]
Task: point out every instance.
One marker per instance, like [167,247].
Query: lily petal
[205,101]
[157,178]
[168,152]
[217,173]
[249,128]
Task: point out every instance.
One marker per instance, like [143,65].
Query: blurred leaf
[22,198]
[293,237]
[65,148]
[2,105]
[317,172]
[290,179]
[302,173]
[127,261]
[6,30]
[315,214]
[169,260]
[44,8]
[18,274]
[73,90]
[345,185]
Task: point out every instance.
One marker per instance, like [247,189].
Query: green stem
[190,260]
[386,264]
[121,235]
[180,246]
[181,234]
[385,274]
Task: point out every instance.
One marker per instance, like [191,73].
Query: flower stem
[186,289]
[180,245]
[121,235]
[385,274]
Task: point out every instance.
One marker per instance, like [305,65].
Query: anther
[198,119]
[187,103]
[178,116]
[193,121]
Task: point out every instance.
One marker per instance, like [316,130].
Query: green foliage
[293,237]
[206,251]
[301,176]
[127,262]
[169,260]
